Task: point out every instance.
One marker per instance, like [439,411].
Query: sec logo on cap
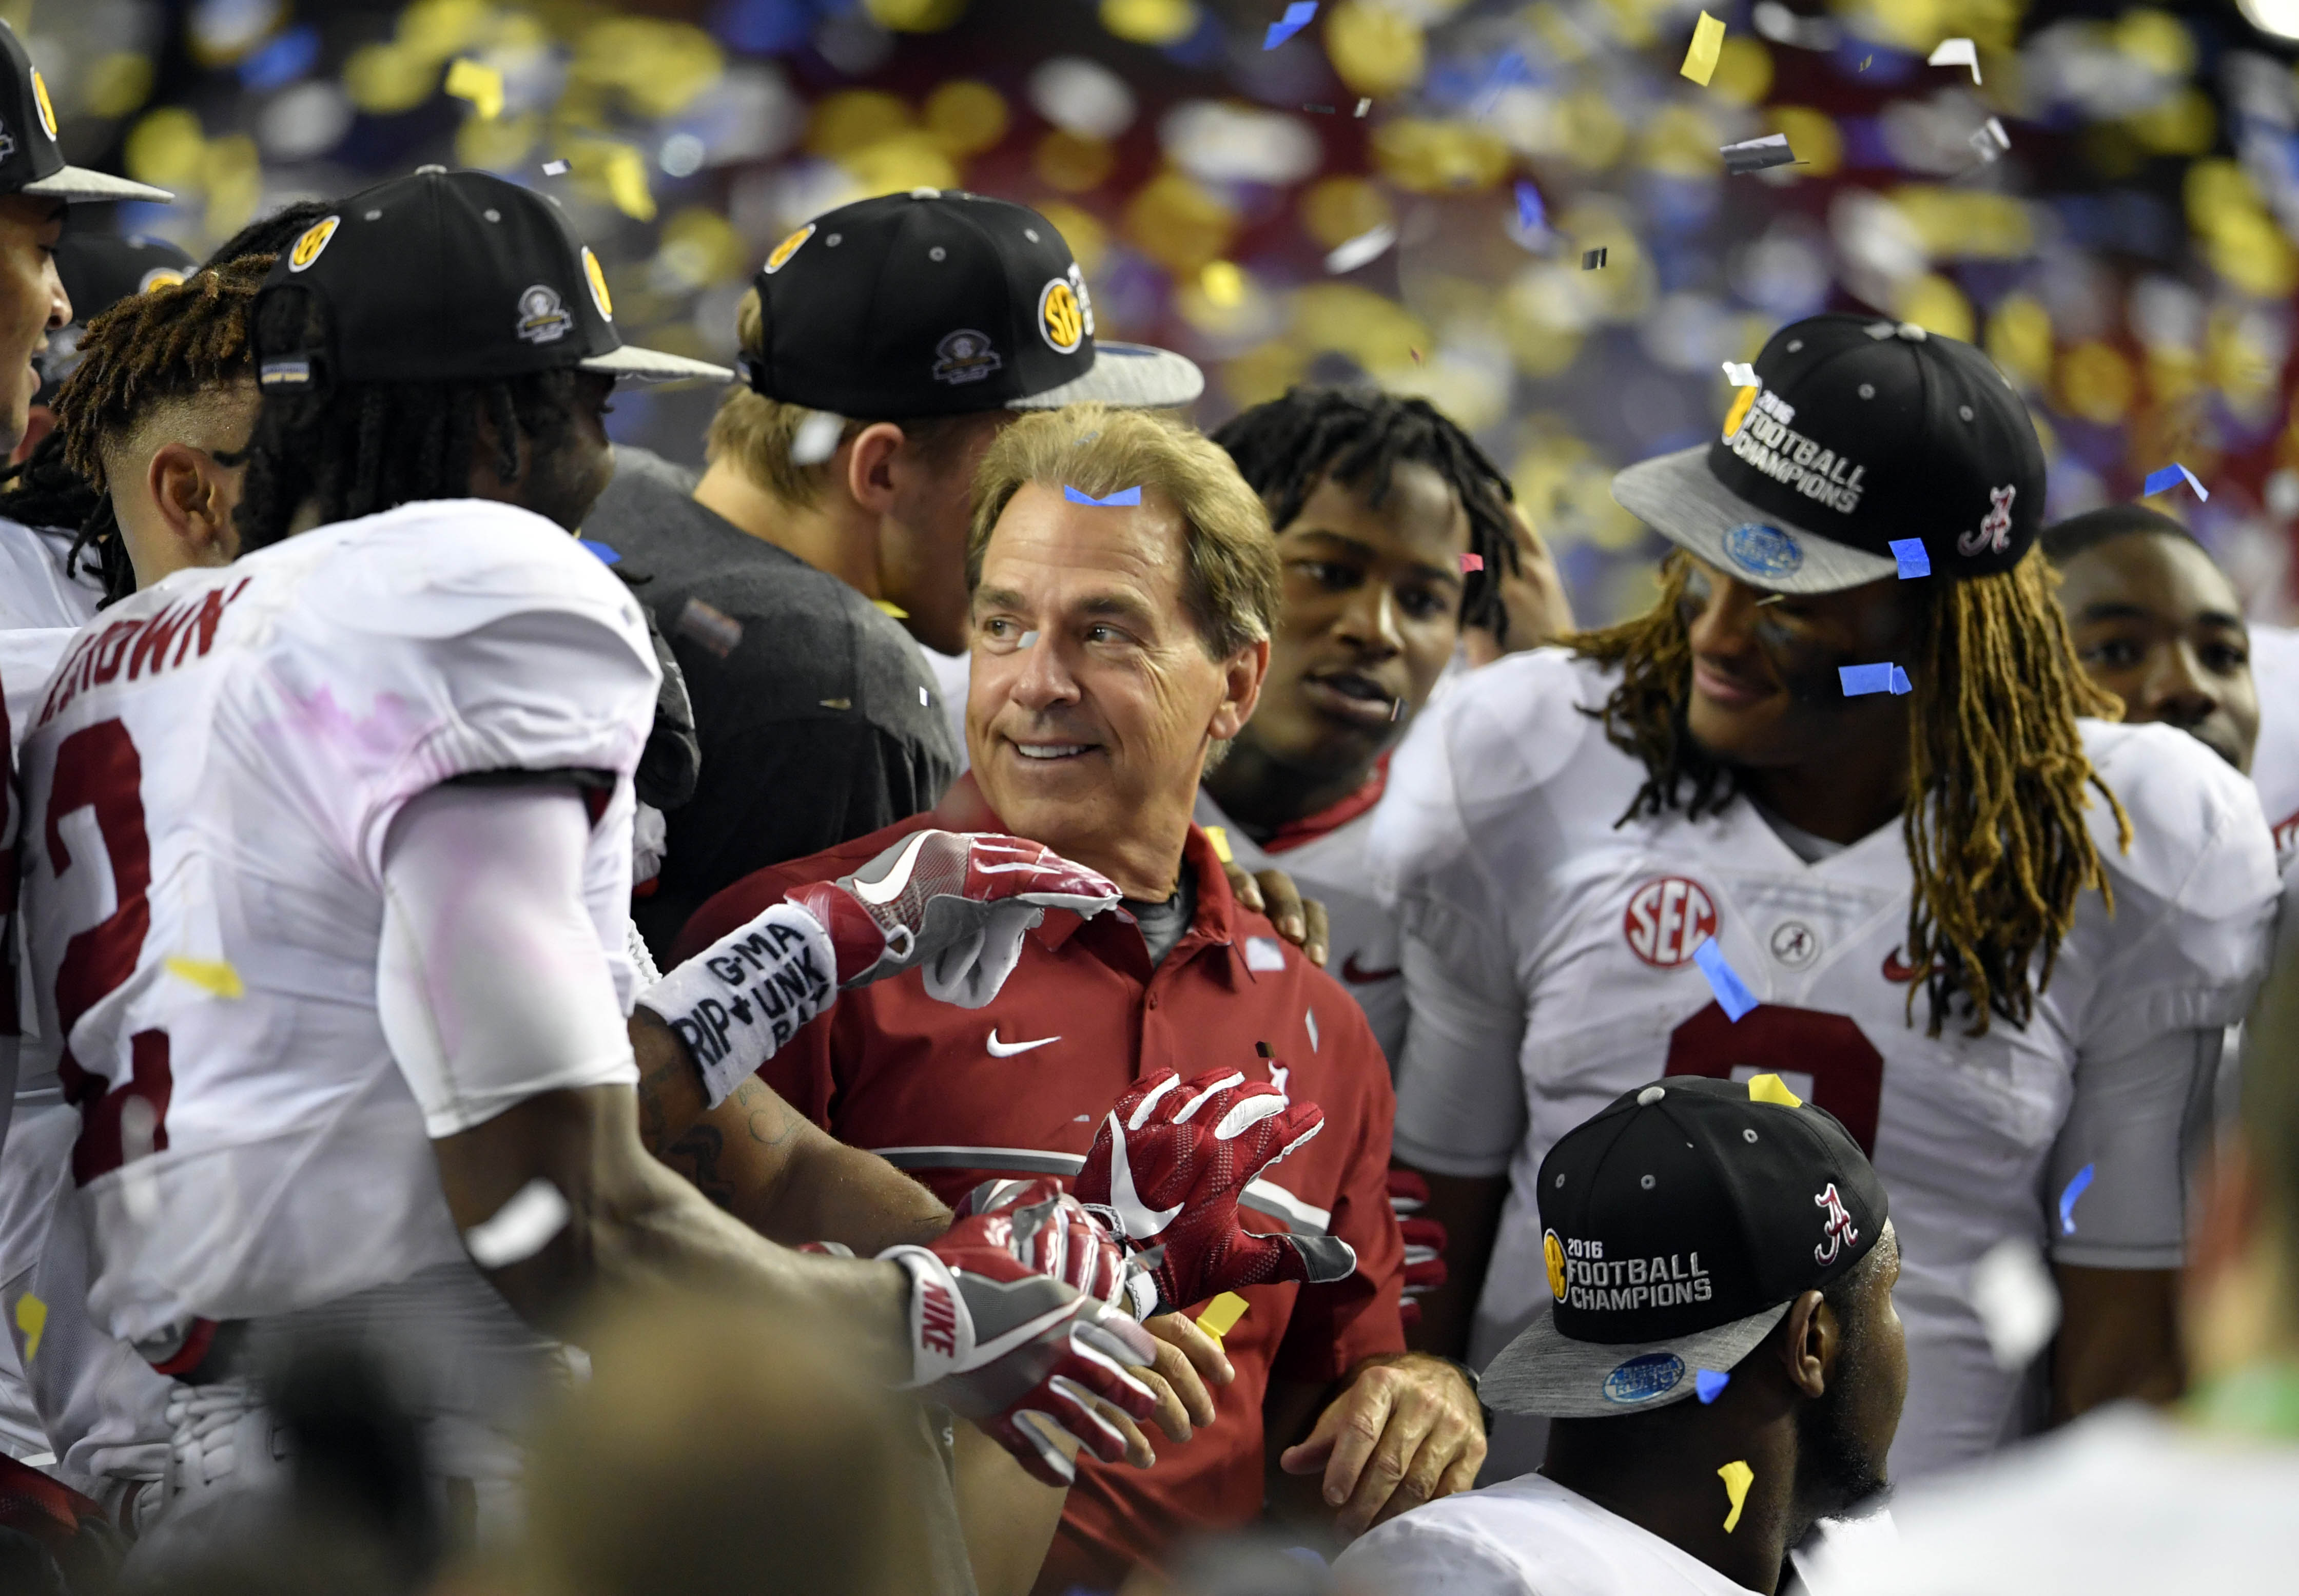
[1060,321]
[597,278]
[787,248]
[40,100]
[315,239]
[1552,1252]
[1668,916]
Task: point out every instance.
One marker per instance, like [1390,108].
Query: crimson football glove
[1424,1239]
[1057,1236]
[955,903]
[1169,1163]
[1023,1355]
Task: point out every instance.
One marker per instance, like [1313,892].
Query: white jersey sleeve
[2161,979]
[2275,757]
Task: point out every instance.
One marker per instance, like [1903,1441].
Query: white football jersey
[208,788]
[1330,868]
[2275,759]
[35,593]
[1550,954]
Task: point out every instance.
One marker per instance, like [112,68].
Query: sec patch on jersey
[1667,917]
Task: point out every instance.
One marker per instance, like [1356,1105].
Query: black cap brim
[1678,496]
[78,183]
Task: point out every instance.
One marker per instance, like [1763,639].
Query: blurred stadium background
[2128,260]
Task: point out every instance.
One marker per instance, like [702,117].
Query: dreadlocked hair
[1993,821]
[170,343]
[361,448]
[45,491]
[1358,438]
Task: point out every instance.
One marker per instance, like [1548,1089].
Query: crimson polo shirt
[957,1095]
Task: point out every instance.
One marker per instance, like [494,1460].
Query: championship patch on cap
[788,247]
[596,275]
[40,102]
[1762,551]
[965,357]
[1060,321]
[1642,1379]
[307,248]
[543,319]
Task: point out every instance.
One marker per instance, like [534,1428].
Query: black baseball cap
[1860,433]
[98,269]
[939,302]
[1678,1225]
[451,277]
[31,162]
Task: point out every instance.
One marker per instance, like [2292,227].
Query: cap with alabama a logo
[1678,1226]
[31,161]
[1859,433]
[448,277]
[937,303]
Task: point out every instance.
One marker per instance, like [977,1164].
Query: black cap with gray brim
[1858,435]
[30,161]
[1680,1223]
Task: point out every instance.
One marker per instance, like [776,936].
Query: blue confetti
[1297,17]
[1531,215]
[2076,1189]
[1124,495]
[606,556]
[1723,980]
[2171,476]
[1861,679]
[1900,683]
[1915,560]
[1710,1384]
[282,61]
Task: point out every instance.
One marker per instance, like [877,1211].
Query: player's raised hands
[955,904]
[1169,1163]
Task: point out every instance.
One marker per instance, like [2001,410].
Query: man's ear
[870,464]
[1242,676]
[191,491]
[1810,1342]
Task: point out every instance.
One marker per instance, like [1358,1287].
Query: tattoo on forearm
[770,1120]
[695,1155]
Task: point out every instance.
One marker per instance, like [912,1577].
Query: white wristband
[739,1000]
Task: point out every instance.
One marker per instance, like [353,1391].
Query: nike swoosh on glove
[1023,1355]
[1424,1239]
[1169,1163]
[956,904]
[1059,1237]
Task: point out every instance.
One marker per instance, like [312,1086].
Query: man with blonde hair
[883,344]
[1123,580]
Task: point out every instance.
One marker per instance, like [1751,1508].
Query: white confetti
[1956,52]
[924,702]
[2018,1305]
[520,1229]
[1263,952]
[1740,376]
[1366,246]
[1310,1018]
[554,169]
[816,439]
[1029,639]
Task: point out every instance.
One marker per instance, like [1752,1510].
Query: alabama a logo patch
[1836,1226]
[1995,533]
[306,249]
[543,319]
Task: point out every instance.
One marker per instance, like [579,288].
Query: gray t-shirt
[1163,924]
[819,724]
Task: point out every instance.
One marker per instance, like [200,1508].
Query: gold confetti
[1222,1314]
[892,609]
[1707,45]
[32,1318]
[1737,1478]
[209,975]
[1770,1088]
[626,184]
[1218,835]
[480,84]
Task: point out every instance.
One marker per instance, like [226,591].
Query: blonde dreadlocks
[1997,772]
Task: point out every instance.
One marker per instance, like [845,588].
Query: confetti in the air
[1365,105]
[1740,375]
[1866,62]
[520,1229]
[1738,1477]
[1396,711]
[2171,476]
[1956,52]
[1318,109]
[31,1318]
[1710,1384]
[817,438]
[1470,562]
[890,607]
[1218,835]
[554,169]
[480,84]
[626,184]
[1029,640]
[1755,154]
[1415,353]
[1263,953]
[711,627]
[2070,1197]
[1353,252]
[1912,557]
[2017,1305]
[1592,259]
[1297,17]
[924,701]
[1222,1314]
[1123,496]
[1707,45]
[600,550]
[1862,679]
[213,975]
[1768,1087]
[1732,995]
[1531,215]
[1990,140]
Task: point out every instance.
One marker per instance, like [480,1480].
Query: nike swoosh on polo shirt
[1007,1050]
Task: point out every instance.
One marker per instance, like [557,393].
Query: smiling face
[1091,738]
[1765,692]
[32,302]
[1371,612]
[2159,626]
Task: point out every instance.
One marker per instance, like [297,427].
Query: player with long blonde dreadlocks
[1848,753]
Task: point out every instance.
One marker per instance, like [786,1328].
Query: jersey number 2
[1848,1072]
[97,770]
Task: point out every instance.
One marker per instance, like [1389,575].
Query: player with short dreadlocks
[1842,807]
